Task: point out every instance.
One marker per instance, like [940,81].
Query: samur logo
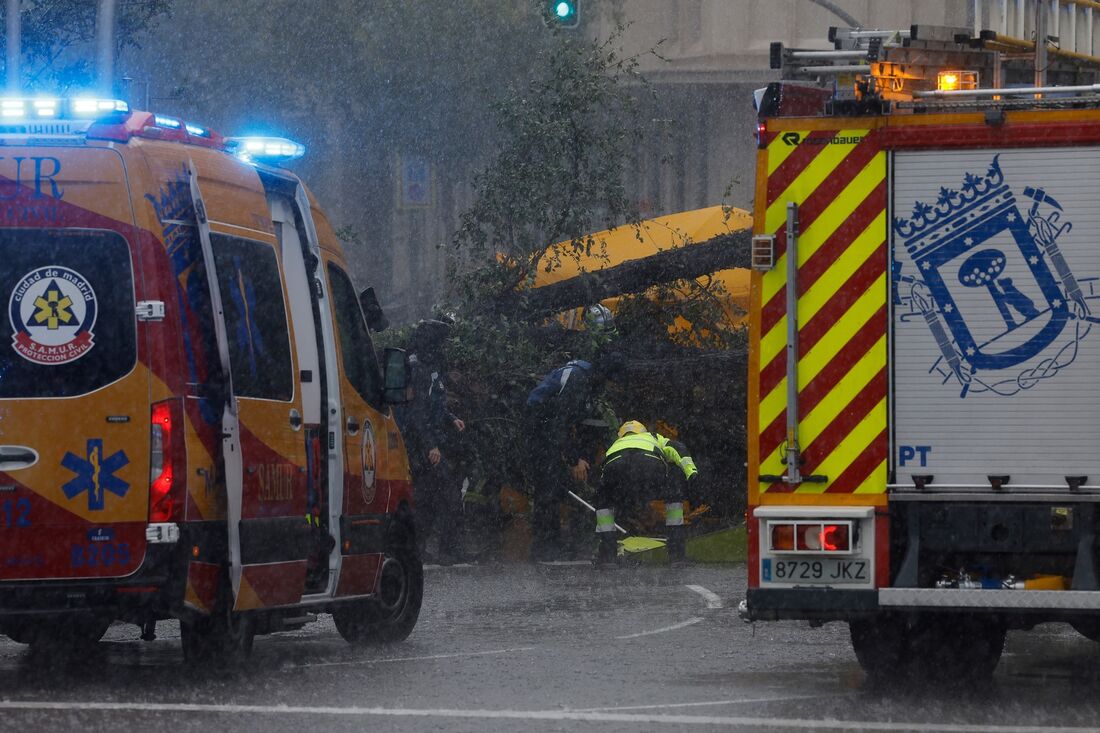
[52,312]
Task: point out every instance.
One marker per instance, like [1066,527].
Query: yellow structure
[622,244]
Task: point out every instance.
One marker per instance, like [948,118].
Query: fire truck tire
[881,647]
[392,615]
[1088,628]
[898,649]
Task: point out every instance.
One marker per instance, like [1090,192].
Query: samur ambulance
[193,423]
[924,377]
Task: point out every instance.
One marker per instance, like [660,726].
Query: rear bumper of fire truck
[914,544]
[1023,607]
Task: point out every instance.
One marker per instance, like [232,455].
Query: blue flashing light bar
[196,130]
[265,149]
[53,108]
[170,123]
[93,107]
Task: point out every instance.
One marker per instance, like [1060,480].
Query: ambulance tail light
[168,462]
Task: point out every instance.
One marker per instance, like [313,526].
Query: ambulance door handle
[353,425]
[14,457]
[295,419]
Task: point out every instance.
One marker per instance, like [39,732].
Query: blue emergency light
[265,149]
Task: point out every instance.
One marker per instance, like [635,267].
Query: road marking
[713,601]
[551,715]
[426,658]
[682,624]
[705,703]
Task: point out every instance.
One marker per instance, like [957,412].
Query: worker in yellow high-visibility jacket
[636,468]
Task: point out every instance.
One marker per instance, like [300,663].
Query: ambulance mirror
[372,310]
[395,376]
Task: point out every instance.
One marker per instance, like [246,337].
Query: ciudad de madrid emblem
[52,311]
[990,282]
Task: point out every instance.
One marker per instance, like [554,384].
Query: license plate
[824,571]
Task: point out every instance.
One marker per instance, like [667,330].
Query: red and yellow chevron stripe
[838,179]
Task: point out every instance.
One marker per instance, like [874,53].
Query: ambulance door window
[304,309]
[255,317]
[357,350]
[70,327]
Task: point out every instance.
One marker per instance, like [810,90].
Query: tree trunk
[634,276]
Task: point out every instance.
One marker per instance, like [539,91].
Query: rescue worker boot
[608,552]
[676,544]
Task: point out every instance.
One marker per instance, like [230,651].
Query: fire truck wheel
[926,648]
[881,646]
[392,615]
[220,640]
[1088,628]
[948,647]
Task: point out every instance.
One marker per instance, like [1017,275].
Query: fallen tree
[634,276]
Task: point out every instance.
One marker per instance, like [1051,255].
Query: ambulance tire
[220,640]
[74,634]
[391,616]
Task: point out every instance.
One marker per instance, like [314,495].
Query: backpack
[553,383]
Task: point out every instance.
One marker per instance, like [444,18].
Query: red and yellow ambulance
[193,422]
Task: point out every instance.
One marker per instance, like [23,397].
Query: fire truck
[924,458]
[193,422]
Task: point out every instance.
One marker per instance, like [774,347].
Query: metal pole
[1040,46]
[793,459]
[14,45]
[105,45]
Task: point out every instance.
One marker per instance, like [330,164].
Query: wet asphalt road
[537,648]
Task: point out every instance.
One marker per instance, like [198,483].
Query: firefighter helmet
[631,426]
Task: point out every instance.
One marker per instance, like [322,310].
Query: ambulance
[193,421]
[924,458]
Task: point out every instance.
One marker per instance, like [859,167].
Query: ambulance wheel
[220,640]
[78,632]
[391,615]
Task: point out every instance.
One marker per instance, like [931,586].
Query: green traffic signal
[565,13]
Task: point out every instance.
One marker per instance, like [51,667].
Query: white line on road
[713,601]
[551,715]
[682,624]
[426,658]
[704,703]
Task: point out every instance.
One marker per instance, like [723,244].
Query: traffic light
[566,13]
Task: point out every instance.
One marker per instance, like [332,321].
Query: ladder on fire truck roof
[993,63]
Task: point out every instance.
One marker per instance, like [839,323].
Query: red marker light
[836,538]
[761,133]
[782,536]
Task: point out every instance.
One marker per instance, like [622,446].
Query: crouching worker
[681,469]
[634,470]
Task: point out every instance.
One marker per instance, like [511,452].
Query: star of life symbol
[95,474]
[52,312]
[992,286]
